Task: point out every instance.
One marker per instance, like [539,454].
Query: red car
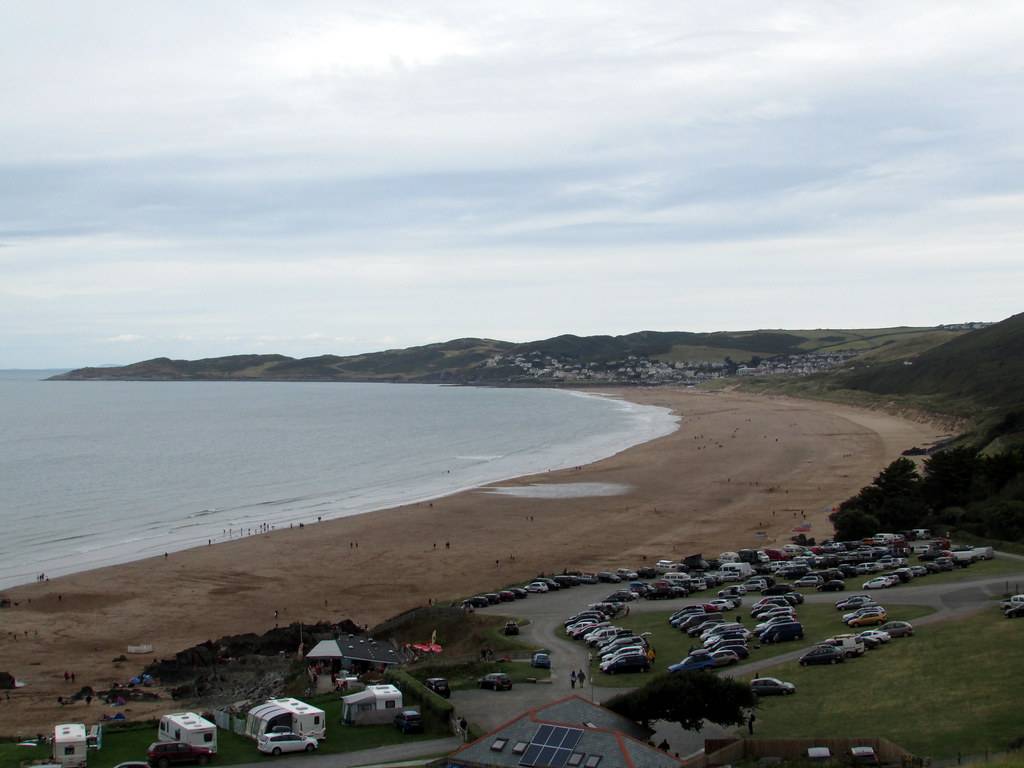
[162,754]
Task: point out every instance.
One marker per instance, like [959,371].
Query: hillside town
[538,367]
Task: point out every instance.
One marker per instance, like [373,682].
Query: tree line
[958,488]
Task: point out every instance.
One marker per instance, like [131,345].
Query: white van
[70,748]
[677,577]
[737,571]
[188,727]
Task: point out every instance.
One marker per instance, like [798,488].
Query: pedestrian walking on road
[572,679]
[581,677]
[750,723]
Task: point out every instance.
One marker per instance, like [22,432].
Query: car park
[496,681]
[166,753]
[409,721]
[771,686]
[897,628]
[280,743]
[822,654]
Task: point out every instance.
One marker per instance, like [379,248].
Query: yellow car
[870,620]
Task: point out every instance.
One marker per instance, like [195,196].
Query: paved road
[546,613]
[397,753]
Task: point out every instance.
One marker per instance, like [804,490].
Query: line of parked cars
[618,649]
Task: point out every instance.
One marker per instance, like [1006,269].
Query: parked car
[771,686]
[511,628]
[540,661]
[439,685]
[777,633]
[279,743]
[897,628]
[724,657]
[519,593]
[822,654]
[874,638]
[409,721]
[496,681]
[835,585]
[694,662]
[636,662]
[537,586]
[506,596]
[1014,612]
[165,753]
[808,581]
[608,577]
[587,578]
[879,582]
[867,620]
[854,601]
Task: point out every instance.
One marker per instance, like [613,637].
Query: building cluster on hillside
[536,366]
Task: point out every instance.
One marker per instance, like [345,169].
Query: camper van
[297,716]
[736,571]
[189,728]
[677,578]
[376,705]
[70,748]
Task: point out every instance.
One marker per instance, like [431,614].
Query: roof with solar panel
[569,733]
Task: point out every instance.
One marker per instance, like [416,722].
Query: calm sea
[94,473]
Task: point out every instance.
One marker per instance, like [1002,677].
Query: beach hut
[189,728]
[70,746]
[292,714]
[375,705]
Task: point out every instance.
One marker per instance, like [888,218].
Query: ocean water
[95,473]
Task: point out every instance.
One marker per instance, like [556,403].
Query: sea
[97,473]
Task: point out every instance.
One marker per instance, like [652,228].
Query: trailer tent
[189,728]
[373,706]
[70,748]
[295,715]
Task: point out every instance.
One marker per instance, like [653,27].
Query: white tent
[377,704]
[297,716]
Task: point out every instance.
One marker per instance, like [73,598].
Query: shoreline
[735,466]
[645,425]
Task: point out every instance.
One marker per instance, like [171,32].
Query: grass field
[671,645]
[465,675]
[121,745]
[953,687]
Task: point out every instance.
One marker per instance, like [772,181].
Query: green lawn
[671,645]
[986,569]
[121,745]
[953,687]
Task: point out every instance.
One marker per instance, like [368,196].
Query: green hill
[489,361]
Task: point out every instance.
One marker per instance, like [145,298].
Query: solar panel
[530,756]
[572,738]
[551,747]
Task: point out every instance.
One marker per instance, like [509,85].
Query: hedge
[436,707]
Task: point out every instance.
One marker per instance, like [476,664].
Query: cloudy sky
[194,178]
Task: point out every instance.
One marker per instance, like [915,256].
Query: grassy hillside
[466,360]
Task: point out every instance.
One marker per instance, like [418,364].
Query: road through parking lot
[547,612]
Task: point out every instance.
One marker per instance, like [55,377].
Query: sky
[195,179]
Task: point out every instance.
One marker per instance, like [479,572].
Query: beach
[741,471]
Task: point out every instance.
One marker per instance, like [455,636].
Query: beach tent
[70,747]
[189,728]
[295,715]
[375,705]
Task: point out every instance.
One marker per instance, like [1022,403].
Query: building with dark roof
[568,733]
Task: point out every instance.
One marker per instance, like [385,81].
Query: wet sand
[738,465]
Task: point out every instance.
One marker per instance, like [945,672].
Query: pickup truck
[1012,602]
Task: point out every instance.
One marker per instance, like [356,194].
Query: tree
[894,498]
[687,698]
[949,476]
[852,523]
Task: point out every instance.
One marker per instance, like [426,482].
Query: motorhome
[188,727]
[70,747]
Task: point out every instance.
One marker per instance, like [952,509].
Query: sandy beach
[737,465]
